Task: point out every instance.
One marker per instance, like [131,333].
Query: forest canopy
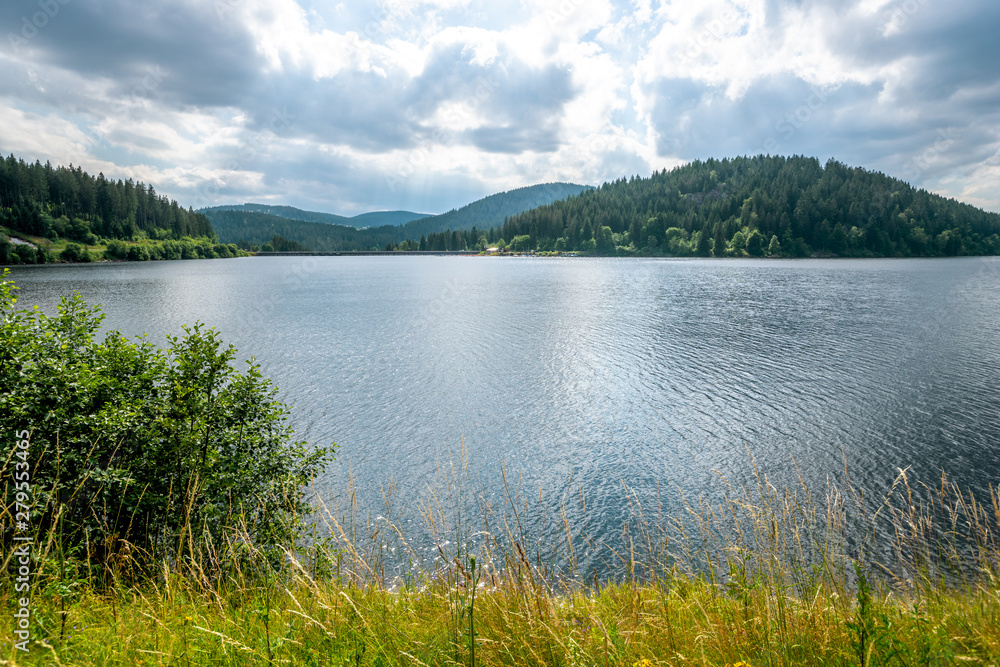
[787,206]
[52,202]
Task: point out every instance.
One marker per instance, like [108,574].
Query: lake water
[590,381]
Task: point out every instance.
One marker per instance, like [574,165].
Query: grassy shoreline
[763,578]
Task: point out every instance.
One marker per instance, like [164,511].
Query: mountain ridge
[236,224]
[370,219]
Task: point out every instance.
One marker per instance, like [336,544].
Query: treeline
[67,202]
[749,206]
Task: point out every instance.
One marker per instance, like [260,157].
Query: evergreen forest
[756,206]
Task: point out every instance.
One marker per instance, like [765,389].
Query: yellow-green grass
[763,577]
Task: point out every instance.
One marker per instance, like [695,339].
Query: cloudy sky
[427,105]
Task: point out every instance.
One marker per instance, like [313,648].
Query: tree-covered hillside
[372,219]
[256,229]
[382,218]
[46,201]
[757,206]
[235,225]
[493,210]
[289,212]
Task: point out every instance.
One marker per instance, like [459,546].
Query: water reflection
[597,378]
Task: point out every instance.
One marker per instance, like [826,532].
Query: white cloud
[478,97]
[49,137]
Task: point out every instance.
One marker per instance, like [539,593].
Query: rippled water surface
[583,378]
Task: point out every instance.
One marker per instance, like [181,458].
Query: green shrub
[75,252]
[28,254]
[138,253]
[171,250]
[116,250]
[151,451]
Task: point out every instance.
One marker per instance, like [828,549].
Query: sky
[426,105]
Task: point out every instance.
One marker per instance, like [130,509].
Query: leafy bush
[171,250]
[116,250]
[138,253]
[139,449]
[28,254]
[75,252]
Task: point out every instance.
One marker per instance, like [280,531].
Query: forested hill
[759,206]
[381,218]
[47,201]
[373,219]
[235,224]
[250,229]
[493,210]
[289,212]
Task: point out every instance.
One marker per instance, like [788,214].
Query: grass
[762,577]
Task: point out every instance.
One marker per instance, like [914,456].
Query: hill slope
[289,212]
[493,210]
[760,206]
[373,219]
[251,228]
[382,218]
[246,223]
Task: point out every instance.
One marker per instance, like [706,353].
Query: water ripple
[594,376]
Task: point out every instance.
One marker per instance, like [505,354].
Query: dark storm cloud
[504,90]
[776,115]
[360,109]
[517,107]
[952,46]
[202,56]
[194,56]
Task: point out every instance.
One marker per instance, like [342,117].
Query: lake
[594,384]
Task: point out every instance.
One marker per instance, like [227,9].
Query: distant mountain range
[373,219]
[259,223]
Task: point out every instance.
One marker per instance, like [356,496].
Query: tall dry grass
[764,576]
